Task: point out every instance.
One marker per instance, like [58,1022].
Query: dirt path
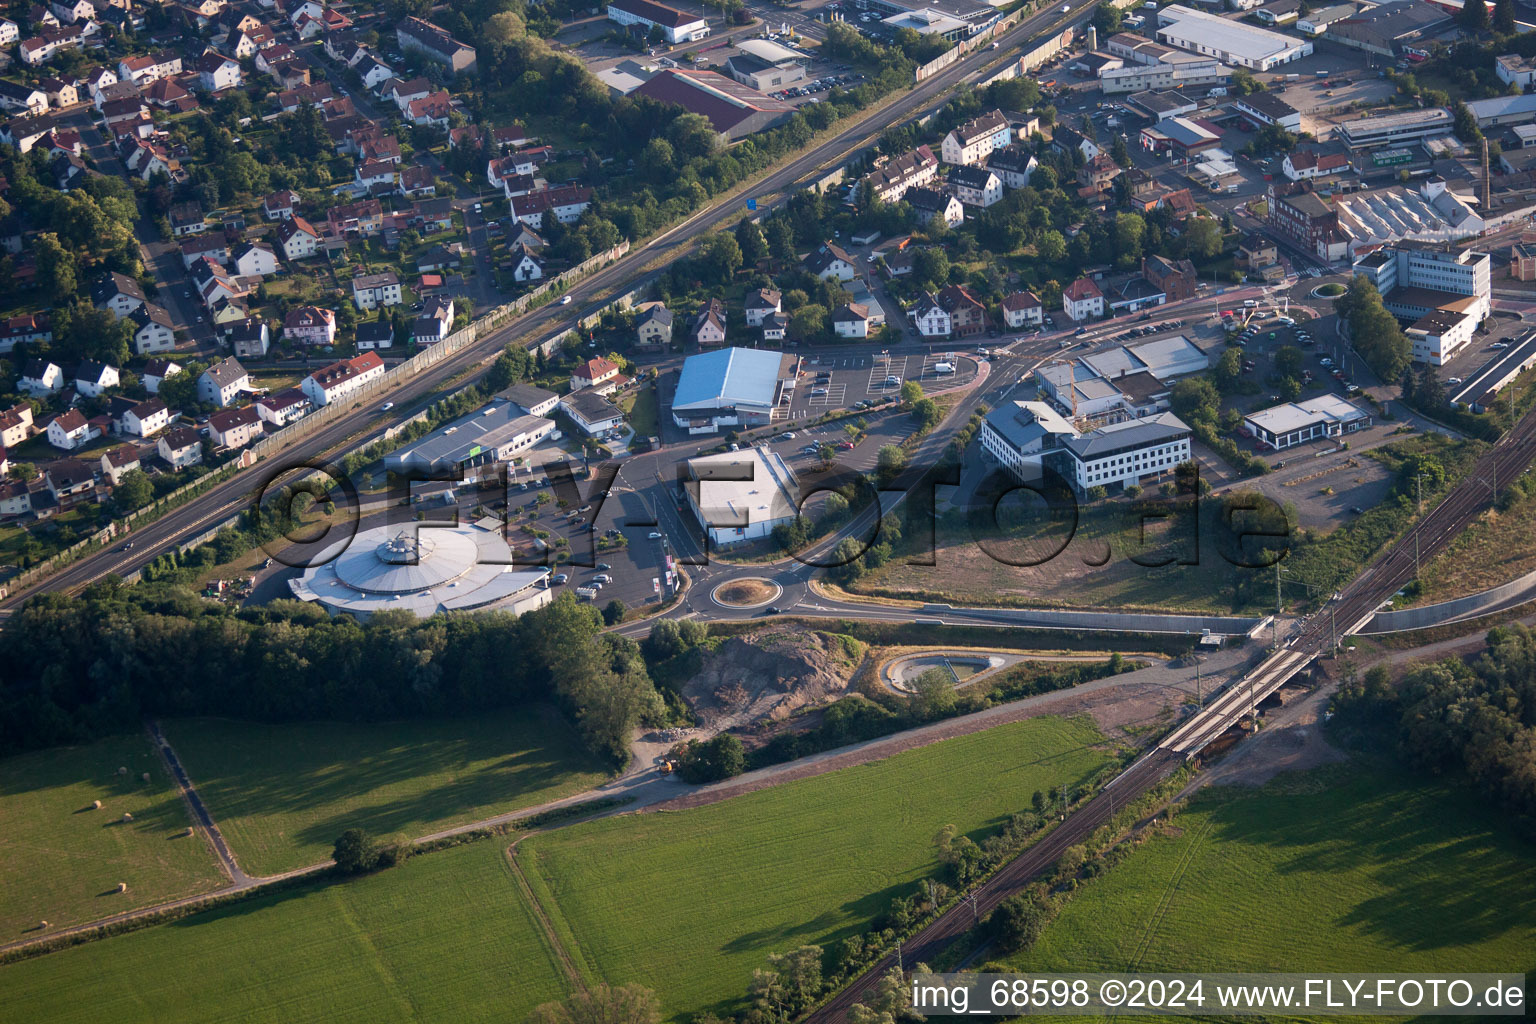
[567,962]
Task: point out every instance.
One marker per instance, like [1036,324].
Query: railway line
[1351,608]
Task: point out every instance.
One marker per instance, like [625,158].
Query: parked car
[558,579]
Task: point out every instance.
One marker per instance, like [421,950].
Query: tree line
[76,668]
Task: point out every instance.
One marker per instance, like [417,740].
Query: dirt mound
[769,673]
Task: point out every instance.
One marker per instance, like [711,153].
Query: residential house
[1303,164]
[15,498]
[974,140]
[147,418]
[431,110]
[889,182]
[435,322]
[931,319]
[565,204]
[1176,279]
[363,218]
[222,383]
[62,92]
[1023,309]
[1098,172]
[23,99]
[708,327]
[370,291]
[527,265]
[310,325]
[284,407]
[249,338]
[93,378]
[119,293]
[975,186]
[436,44]
[68,430]
[335,382]
[15,425]
[187,219]
[1082,300]
[157,370]
[930,204]
[71,482]
[374,334]
[851,320]
[254,259]
[830,262]
[280,205]
[762,303]
[152,329]
[653,329]
[967,316]
[591,413]
[235,428]
[1013,163]
[216,72]
[119,462]
[775,327]
[602,375]
[180,447]
[417,182]
[297,238]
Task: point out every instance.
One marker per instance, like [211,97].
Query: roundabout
[746,592]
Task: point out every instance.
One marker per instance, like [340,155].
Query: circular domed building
[424,569]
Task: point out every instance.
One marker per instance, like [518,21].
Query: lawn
[283,793]
[710,892]
[687,902]
[61,860]
[640,406]
[443,938]
[1354,867]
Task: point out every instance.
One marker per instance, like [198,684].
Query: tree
[1202,237]
[1288,361]
[1019,921]
[720,757]
[931,266]
[602,1004]
[1051,246]
[1119,154]
[1466,121]
[722,255]
[890,460]
[1107,18]
[1374,331]
[911,392]
[1129,230]
[132,492]
[1504,17]
[1474,18]
[1227,371]
[613,612]
[926,412]
[809,322]
[750,240]
[55,267]
[1195,398]
[356,852]
[933,694]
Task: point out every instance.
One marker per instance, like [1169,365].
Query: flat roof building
[741,496]
[730,387]
[1018,433]
[1395,129]
[1230,42]
[1293,423]
[1121,454]
[735,110]
[500,433]
[1386,29]
[676,26]
[1267,108]
[1445,293]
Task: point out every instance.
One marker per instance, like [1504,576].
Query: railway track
[1353,607]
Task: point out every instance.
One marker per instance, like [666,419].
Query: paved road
[226,500]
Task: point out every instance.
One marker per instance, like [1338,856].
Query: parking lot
[833,381]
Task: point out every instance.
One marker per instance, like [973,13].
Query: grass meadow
[687,902]
[1352,867]
[61,860]
[281,794]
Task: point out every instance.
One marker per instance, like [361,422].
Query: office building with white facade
[1230,42]
[1293,423]
[1136,451]
[1442,294]
[1017,434]
[741,496]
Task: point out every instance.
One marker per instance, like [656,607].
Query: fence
[965,46]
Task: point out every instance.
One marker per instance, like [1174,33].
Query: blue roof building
[731,387]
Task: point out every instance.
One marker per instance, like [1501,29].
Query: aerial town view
[766,511]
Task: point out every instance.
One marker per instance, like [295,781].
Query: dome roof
[408,561]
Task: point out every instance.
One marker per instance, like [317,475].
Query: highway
[225,500]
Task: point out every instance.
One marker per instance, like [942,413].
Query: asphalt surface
[225,500]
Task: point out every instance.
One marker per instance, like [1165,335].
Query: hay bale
[146,776]
[127,817]
[42,924]
[122,886]
[95,805]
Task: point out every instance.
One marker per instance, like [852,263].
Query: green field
[709,893]
[61,860]
[443,938]
[281,794]
[1354,867]
[687,902]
